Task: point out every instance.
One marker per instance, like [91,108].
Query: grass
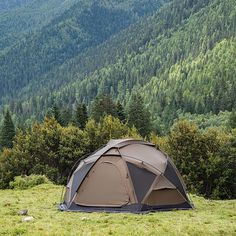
[209,217]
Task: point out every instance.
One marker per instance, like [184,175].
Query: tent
[126,175]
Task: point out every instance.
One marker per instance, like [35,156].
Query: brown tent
[126,175]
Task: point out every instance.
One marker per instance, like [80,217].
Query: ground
[209,217]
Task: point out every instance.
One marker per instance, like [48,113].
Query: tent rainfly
[126,175]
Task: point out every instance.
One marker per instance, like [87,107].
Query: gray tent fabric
[171,175]
[140,179]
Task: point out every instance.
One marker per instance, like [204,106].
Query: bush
[51,150]
[206,159]
[25,182]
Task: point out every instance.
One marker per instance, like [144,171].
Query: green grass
[209,217]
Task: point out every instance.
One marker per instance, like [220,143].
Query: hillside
[156,56]
[85,25]
[178,58]
[209,217]
[168,67]
[6,4]
[19,18]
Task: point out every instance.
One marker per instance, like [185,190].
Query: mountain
[180,58]
[86,24]
[21,17]
[6,4]
[187,68]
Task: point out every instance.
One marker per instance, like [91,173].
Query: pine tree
[232,120]
[65,116]
[103,105]
[120,112]
[138,115]
[81,116]
[7,131]
[54,112]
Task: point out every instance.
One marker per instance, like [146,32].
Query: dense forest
[168,57]
[84,72]
[19,18]
[85,25]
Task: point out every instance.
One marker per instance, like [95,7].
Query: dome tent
[126,175]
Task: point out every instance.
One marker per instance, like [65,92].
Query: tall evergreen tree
[138,115]
[81,116]
[103,105]
[120,112]
[7,131]
[65,116]
[55,112]
[232,120]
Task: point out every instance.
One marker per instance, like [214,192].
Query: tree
[50,149]
[7,131]
[184,147]
[103,105]
[120,112]
[138,115]
[56,113]
[232,120]
[81,116]
[65,116]
[226,184]
[205,159]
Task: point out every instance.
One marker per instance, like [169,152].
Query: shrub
[205,159]
[25,182]
[51,150]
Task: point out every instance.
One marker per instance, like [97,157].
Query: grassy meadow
[209,217]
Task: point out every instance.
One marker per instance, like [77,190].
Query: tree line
[206,158]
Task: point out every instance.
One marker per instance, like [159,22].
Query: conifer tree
[138,115]
[55,112]
[7,131]
[232,120]
[81,116]
[103,105]
[65,116]
[120,112]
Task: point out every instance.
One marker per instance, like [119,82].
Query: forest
[18,18]
[179,66]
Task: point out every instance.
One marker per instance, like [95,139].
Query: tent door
[104,186]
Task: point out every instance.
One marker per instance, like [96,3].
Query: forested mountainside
[189,60]
[181,59]
[21,17]
[6,4]
[85,25]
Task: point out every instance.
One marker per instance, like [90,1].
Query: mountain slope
[129,41]
[198,85]
[170,57]
[149,66]
[85,25]
[19,18]
[6,4]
